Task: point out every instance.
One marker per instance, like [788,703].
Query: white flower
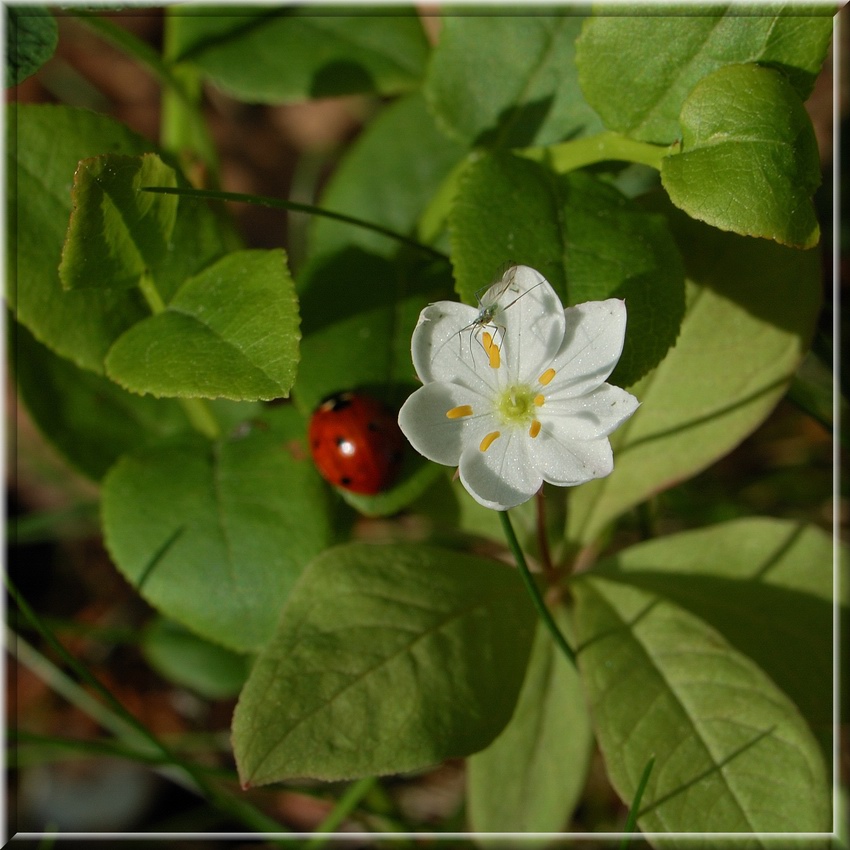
[514,393]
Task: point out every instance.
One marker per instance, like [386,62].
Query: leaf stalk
[533,590]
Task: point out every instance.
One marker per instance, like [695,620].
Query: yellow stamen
[534,430]
[459,412]
[492,350]
[489,440]
[546,376]
[539,399]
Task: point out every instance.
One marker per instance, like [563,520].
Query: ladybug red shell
[356,443]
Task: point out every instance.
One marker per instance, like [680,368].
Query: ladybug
[356,443]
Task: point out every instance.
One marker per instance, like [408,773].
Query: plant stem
[201,417]
[533,590]
[177,86]
[631,821]
[568,156]
[147,286]
[344,807]
[281,204]
[543,538]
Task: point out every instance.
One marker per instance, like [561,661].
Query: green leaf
[118,234]
[191,662]
[270,55]
[767,586]
[532,776]
[360,296]
[387,659]
[752,306]
[45,145]
[520,84]
[732,752]
[358,314]
[31,39]
[88,418]
[216,535]
[230,332]
[387,176]
[636,68]
[589,241]
[749,160]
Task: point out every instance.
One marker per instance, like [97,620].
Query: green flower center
[516,405]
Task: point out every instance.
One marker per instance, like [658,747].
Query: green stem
[603,147]
[201,417]
[151,294]
[344,807]
[281,204]
[631,821]
[182,125]
[533,590]
[180,95]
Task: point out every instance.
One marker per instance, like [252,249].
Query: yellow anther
[539,399]
[489,440]
[459,412]
[534,430]
[546,376]
[492,350]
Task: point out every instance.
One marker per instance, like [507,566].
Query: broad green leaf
[637,68]
[87,417]
[766,585]
[118,234]
[358,314]
[589,241]
[361,296]
[214,536]
[271,54]
[532,776]
[732,752]
[387,176]
[749,160]
[387,659]
[230,332]
[45,145]
[752,306]
[192,662]
[508,80]
[31,38]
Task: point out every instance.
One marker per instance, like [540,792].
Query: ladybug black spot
[374,426]
[345,481]
[339,440]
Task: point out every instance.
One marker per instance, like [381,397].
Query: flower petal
[565,461]
[442,347]
[593,342]
[432,433]
[531,319]
[501,477]
[593,415]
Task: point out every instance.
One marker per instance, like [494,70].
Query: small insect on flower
[487,328]
[356,443]
[532,408]
[502,295]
